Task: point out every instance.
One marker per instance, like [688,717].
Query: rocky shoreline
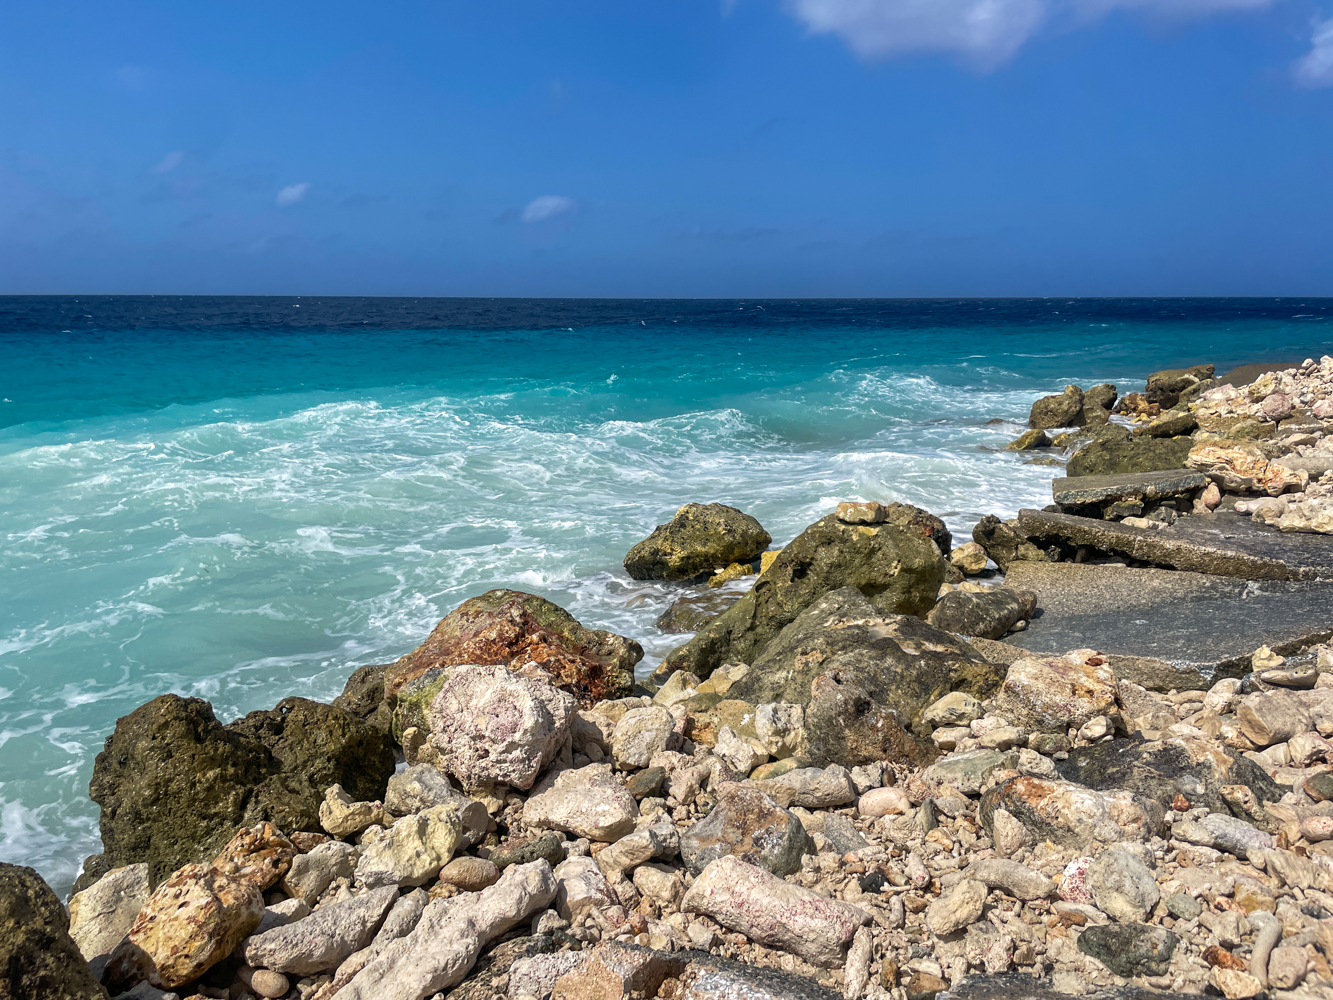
[1086,752]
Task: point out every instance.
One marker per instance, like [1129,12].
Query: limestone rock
[313,872]
[898,563]
[1017,880]
[403,917]
[1121,886]
[639,734]
[1130,949]
[988,615]
[440,950]
[1003,544]
[174,784]
[587,802]
[580,887]
[536,975]
[771,912]
[747,824]
[614,969]
[281,914]
[259,855]
[363,697]
[957,708]
[412,851]
[1052,693]
[1063,410]
[814,787]
[342,817]
[1072,815]
[847,722]
[470,874]
[697,540]
[421,786]
[490,726]
[692,611]
[37,956]
[100,916]
[321,941]
[192,921]
[1111,454]
[740,755]
[969,558]
[522,631]
[957,908]
[968,771]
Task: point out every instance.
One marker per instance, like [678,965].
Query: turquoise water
[215,498]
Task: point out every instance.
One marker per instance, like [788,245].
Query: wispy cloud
[169,162]
[548,206]
[291,194]
[984,33]
[1315,69]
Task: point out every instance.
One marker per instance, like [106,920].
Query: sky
[668,147]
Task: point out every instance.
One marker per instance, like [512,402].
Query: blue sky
[668,147]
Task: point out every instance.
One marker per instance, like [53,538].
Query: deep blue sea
[246,498]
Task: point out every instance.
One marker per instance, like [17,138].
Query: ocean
[242,499]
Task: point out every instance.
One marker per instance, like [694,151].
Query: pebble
[269,984]
[884,802]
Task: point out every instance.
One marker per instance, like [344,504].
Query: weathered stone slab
[1021,986]
[1224,544]
[1075,490]
[1167,629]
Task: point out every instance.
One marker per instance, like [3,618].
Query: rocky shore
[1087,752]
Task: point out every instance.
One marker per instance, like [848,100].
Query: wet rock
[639,734]
[412,851]
[100,916]
[192,921]
[1071,815]
[587,802]
[312,873]
[898,563]
[342,817]
[771,912]
[1063,410]
[174,784]
[1121,886]
[1017,880]
[363,697]
[1027,441]
[440,950]
[1003,544]
[697,540]
[956,908]
[900,661]
[1130,949]
[38,958]
[747,824]
[489,726]
[321,941]
[421,787]
[1110,454]
[691,612]
[847,722]
[519,630]
[1197,769]
[1054,693]
[259,855]
[989,615]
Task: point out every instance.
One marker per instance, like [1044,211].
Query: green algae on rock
[697,540]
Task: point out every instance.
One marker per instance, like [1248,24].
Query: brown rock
[470,874]
[519,631]
[259,855]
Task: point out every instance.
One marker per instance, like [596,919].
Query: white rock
[413,850]
[957,708]
[580,887]
[780,727]
[421,786]
[312,873]
[739,755]
[639,734]
[587,802]
[660,883]
[884,802]
[100,916]
[956,908]
[774,913]
[321,941]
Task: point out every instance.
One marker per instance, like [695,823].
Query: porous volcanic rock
[174,784]
[520,630]
[898,564]
[697,540]
[38,958]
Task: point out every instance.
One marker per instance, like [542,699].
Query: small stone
[968,771]
[470,874]
[268,983]
[1096,728]
[522,852]
[1017,880]
[342,817]
[580,887]
[1121,886]
[421,786]
[739,755]
[1235,985]
[1287,967]
[1183,906]
[646,783]
[957,708]
[924,986]
[1010,836]
[957,908]
[970,558]
[639,734]
[817,788]
[870,512]
[1264,658]
[587,802]
[748,824]
[888,801]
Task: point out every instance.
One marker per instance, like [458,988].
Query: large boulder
[1072,815]
[1111,454]
[988,615]
[174,784]
[897,560]
[1165,387]
[699,539]
[1063,410]
[37,956]
[363,696]
[903,663]
[100,916]
[521,631]
[1050,694]
[847,723]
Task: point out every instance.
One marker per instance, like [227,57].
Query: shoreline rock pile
[891,768]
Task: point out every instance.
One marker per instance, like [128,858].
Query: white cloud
[984,33]
[169,162]
[291,194]
[1316,68]
[548,206]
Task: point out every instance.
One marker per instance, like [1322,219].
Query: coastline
[942,799]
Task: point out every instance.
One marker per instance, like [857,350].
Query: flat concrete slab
[1166,629]
[1073,491]
[1224,543]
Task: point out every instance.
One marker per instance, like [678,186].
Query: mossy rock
[1029,440]
[415,697]
[1062,410]
[697,540]
[38,958]
[363,696]
[1145,454]
[898,565]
